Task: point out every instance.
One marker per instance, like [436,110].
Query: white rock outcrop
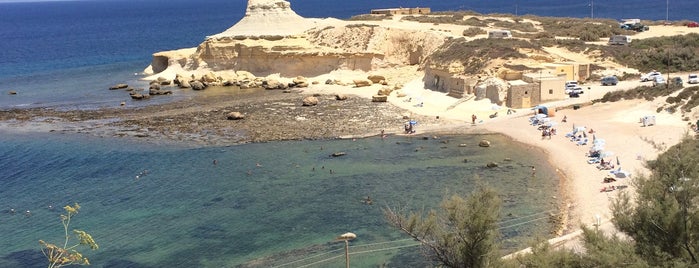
[273,39]
[268,18]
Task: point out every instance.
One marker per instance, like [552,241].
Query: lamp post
[347,237]
[598,222]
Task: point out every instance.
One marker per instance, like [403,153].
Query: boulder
[197,85]
[243,75]
[376,79]
[159,92]
[271,84]
[336,154]
[235,116]
[138,96]
[362,82]
[179,79]
[329,82]
[209,77]
[385,91]
[492,165]
[310,101]
[379,98]
[155,86]
[184,84]
[118,86]
[300,81]
[341,97]
[484,143]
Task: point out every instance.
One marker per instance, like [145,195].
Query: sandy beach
[617,123]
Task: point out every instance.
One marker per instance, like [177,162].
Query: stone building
[522,94]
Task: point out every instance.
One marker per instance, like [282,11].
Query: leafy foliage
[664,219]
[600,251]
[642,92]
[59,256]
[462,234]
[674,53]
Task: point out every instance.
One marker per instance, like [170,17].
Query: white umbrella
[551,123]
[599,142]
[605,154]
[540,116]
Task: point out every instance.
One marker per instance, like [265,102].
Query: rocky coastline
[203,120]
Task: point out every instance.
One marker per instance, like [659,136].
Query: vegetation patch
[476,54]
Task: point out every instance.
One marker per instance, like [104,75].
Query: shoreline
[272,115]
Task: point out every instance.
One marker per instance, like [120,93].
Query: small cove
[258,200]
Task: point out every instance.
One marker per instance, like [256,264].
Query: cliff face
[263,43]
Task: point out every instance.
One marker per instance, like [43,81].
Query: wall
[522,96]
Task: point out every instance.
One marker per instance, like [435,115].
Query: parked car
[610,80]
[650,76]
[619,40]
[693,78]
[659,80]
[576,90]
[677,81]
[692,24]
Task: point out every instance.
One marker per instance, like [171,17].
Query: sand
[617,123]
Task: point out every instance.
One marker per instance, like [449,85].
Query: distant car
[677,81]
[574,90]
[692,24]
[573,95]
[650,76]
[659,80]
[693,79]
[610,81]
[571,84]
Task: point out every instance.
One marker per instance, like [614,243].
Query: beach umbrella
[540,116]
[551,123]
[599,142]
[605,154]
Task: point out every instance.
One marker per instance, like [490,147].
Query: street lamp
[347,237]
[598,222]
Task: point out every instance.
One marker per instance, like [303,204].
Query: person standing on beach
[473,119]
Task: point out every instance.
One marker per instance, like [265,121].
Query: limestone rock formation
[273,39]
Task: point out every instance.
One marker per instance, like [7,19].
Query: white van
[500,34]
[619,40]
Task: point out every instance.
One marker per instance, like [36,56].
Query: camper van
[619,40]
[500,34]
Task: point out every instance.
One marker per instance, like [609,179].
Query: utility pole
[592,9]
[667,11]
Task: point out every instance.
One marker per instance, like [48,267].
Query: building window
[550,91]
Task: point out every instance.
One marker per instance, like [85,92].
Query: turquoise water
[184,211]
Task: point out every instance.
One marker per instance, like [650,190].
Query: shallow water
[184,211]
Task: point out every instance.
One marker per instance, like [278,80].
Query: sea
[276,204]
